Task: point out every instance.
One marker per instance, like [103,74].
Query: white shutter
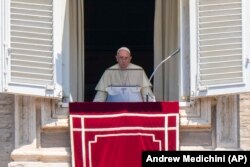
[33,62]
[219,39]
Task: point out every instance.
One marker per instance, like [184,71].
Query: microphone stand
[163,61]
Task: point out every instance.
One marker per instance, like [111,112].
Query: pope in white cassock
[124,81]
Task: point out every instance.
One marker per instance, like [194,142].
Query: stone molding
[41,154]
[196,114]
[53,116]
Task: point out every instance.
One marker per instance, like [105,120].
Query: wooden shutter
[33,63]
[219,63]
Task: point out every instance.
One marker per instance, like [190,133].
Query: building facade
[42,70]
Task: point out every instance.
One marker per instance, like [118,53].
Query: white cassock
[129,85]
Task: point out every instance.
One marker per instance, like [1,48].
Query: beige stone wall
[54,130]
[245,121]
[6,128]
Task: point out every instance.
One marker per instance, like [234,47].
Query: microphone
[163,61]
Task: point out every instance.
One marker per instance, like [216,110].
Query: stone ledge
[56,124]
[41,154]
[37,164]
[196,114]
[192,115]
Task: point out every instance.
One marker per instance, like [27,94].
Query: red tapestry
[115,134]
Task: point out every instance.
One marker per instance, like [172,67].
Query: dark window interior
[110,24]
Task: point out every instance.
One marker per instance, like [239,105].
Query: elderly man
[124,81]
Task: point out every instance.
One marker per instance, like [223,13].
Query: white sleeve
[100,96]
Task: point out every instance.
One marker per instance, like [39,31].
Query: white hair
[123,48]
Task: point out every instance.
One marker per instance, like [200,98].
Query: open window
[39,57]
[109,25]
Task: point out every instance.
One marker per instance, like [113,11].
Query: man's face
[123,58]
